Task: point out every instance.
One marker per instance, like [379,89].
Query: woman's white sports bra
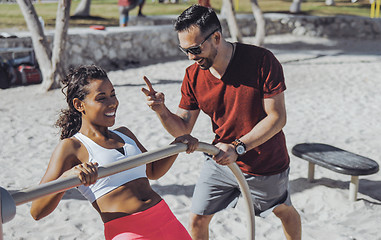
[105,156]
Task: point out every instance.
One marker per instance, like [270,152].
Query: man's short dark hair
[197,16]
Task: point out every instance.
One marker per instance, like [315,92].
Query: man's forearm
[174,124]
[269,126]
[263,131]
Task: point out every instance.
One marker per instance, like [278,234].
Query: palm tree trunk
[232,21]
[59,44]
[83,9]
[295,6]
[40,44]
[51,67]
[260,20]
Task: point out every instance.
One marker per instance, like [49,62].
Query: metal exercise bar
[60,185]
[1,220]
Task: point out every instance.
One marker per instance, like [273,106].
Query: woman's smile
[110,114]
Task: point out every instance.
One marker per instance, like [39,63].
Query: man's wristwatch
[240,147]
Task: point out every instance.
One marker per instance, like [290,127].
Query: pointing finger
[149,85]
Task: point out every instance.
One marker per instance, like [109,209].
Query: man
[241,88]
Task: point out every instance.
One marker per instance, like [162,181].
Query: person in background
[125,6]
[241,88]
[204,3]
[128,206]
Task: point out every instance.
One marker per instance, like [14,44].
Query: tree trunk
[59,44]
[295,6]
[51,72]
[232,22]
[260,20]
[40,45]
[83,9]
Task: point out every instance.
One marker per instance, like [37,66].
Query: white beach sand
[332,97]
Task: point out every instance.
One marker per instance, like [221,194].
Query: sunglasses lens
[183,50]
[192,50]
[195,50]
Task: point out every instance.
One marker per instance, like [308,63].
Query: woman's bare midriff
[131,197]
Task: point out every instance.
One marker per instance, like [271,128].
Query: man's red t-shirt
[235,104]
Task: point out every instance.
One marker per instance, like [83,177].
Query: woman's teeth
[110,114]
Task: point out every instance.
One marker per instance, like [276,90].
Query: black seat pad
[335,159]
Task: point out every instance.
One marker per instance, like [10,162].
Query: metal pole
[1,220]
[372,8]
[8,206]
[353,188]
[27,195]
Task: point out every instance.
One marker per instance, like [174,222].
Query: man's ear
[217,37]
[78,105]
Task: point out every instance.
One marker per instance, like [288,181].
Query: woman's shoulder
[70,143]
[130,134]
[70,147]
[124,130]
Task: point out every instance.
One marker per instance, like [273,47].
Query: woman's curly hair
[75,83]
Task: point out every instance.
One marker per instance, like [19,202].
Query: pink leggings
[155,223]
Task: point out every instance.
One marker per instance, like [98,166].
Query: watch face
[240,149]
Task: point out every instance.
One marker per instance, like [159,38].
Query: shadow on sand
[367,187]
[339,46]
[156,82]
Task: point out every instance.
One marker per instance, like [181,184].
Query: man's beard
[209,61]
[207,64]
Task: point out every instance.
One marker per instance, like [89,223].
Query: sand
[332,97]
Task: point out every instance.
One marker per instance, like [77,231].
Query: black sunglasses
[196,49]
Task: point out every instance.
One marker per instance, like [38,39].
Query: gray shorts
[217,189]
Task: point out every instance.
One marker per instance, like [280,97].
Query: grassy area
[105,12]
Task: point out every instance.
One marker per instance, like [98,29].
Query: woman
[125,201]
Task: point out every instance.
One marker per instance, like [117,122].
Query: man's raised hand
[150,90]
[155,100]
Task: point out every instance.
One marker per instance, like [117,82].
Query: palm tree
[50,61]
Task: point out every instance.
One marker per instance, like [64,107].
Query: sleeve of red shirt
[272,73]
[188,100]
